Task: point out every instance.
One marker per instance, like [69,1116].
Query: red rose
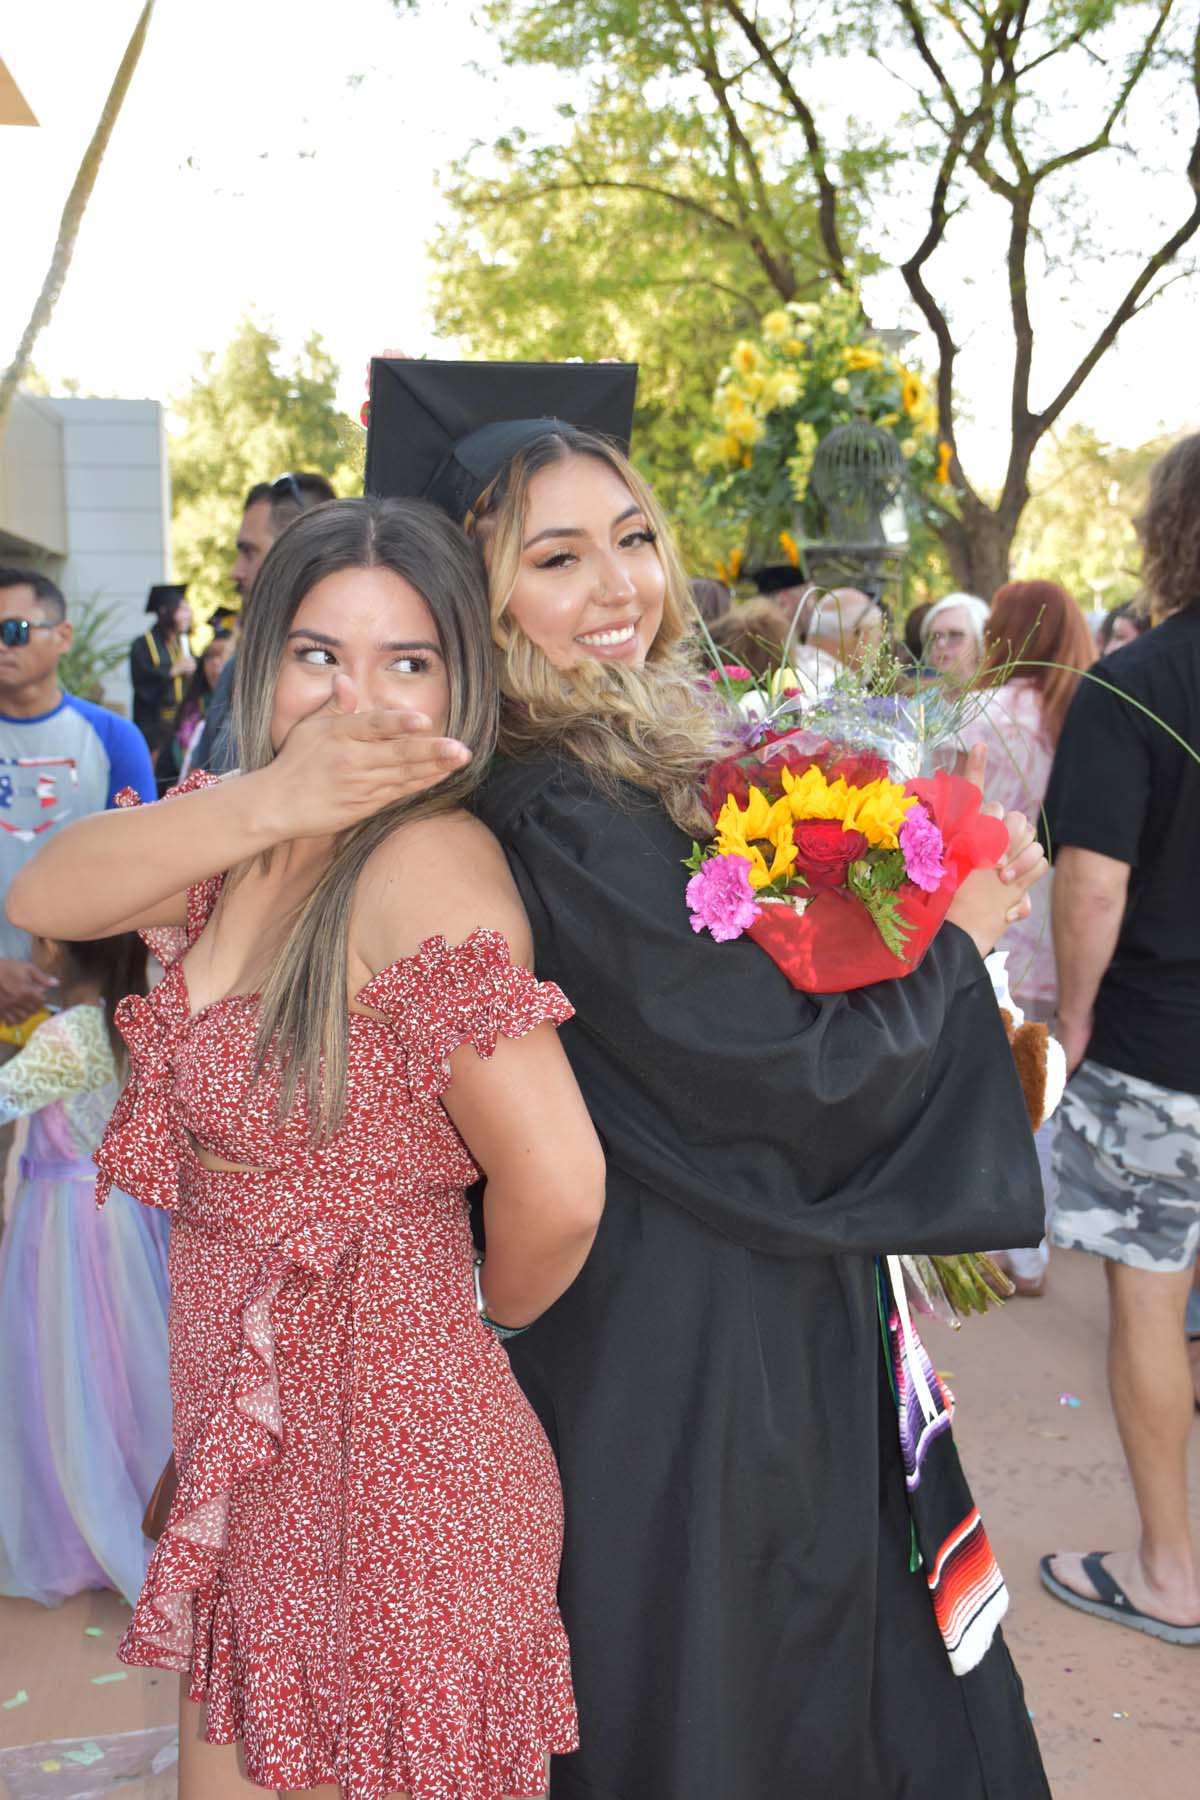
[735,775]
[824,852]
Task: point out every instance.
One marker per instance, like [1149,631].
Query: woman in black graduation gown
[736,1577]
[160,665]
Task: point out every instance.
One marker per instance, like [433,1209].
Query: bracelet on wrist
[500,1331]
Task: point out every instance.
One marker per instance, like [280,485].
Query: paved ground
[1118,1715]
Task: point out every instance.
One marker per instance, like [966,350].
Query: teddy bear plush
[1041,1064]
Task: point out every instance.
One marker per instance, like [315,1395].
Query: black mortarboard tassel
[442,431]
[164,598]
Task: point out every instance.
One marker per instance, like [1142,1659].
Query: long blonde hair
[655,727]
[304,1006]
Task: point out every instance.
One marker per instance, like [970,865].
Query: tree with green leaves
[1078,528]
[655,230]
[248,418]
[971,109]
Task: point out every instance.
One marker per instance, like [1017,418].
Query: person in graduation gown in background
[160,666]
[736,1583]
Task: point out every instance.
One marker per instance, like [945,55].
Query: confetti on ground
[1120,1715]
[92,1631]
[103,1680]
[86,1754]
[1069,1400]
[1057,1437]
[18,1699]
[87,1768]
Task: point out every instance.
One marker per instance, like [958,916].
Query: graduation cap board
[164,597]
[442,431]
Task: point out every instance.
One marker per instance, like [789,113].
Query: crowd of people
[487,1196]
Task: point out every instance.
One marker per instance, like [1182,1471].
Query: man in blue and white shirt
[60,757]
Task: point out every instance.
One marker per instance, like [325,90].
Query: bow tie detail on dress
[140,1152]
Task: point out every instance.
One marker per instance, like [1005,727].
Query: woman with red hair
[1036,648]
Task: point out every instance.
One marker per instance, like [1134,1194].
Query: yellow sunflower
[912,390]
[760,827]
[877,810]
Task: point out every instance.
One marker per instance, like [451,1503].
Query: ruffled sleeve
[171,942]
[49,1068]
[469,994]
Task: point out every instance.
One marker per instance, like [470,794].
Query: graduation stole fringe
[950,1544]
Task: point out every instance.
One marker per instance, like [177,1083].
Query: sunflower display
[811,368]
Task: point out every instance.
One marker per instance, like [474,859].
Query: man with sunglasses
[60,757]
[269,510]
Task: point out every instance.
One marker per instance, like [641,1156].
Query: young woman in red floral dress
[357,1578]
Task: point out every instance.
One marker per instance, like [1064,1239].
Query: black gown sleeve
[888,1119]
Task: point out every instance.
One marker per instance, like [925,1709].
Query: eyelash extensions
[559,558]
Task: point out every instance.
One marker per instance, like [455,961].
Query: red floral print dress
[358,1572]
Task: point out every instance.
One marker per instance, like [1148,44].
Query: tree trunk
[978,546]
[73,212]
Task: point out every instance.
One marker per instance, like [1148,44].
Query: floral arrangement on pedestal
[811,367]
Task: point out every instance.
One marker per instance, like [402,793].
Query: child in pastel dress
[85,1417]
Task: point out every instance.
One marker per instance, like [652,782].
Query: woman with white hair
[952,637]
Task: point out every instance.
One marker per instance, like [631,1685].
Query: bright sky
[283,160]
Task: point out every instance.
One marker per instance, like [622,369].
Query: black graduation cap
[164,598]
[442,431]
[777,578]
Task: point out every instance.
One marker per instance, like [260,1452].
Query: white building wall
[118,511]
[33,505]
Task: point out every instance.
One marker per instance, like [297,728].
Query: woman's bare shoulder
[442,876]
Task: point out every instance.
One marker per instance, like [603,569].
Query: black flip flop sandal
[1113,1603]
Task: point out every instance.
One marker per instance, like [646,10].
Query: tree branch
[73,211]
[913,272]
[916,30]
[591,184]
[1166,253]
[1103,136]
[827,193]
[778,270]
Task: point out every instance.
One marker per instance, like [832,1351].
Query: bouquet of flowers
[839,871]
[835,855]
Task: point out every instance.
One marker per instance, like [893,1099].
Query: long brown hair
[304,1004]
[1033,623]
[1169,528]
[653,727]
[118,963]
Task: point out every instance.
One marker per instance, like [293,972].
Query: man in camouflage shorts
[1122,812]
[1127,1158]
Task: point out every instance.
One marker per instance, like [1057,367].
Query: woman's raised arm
[122,871]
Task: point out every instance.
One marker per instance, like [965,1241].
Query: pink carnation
[921,842]
[730,672]
[720,898]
